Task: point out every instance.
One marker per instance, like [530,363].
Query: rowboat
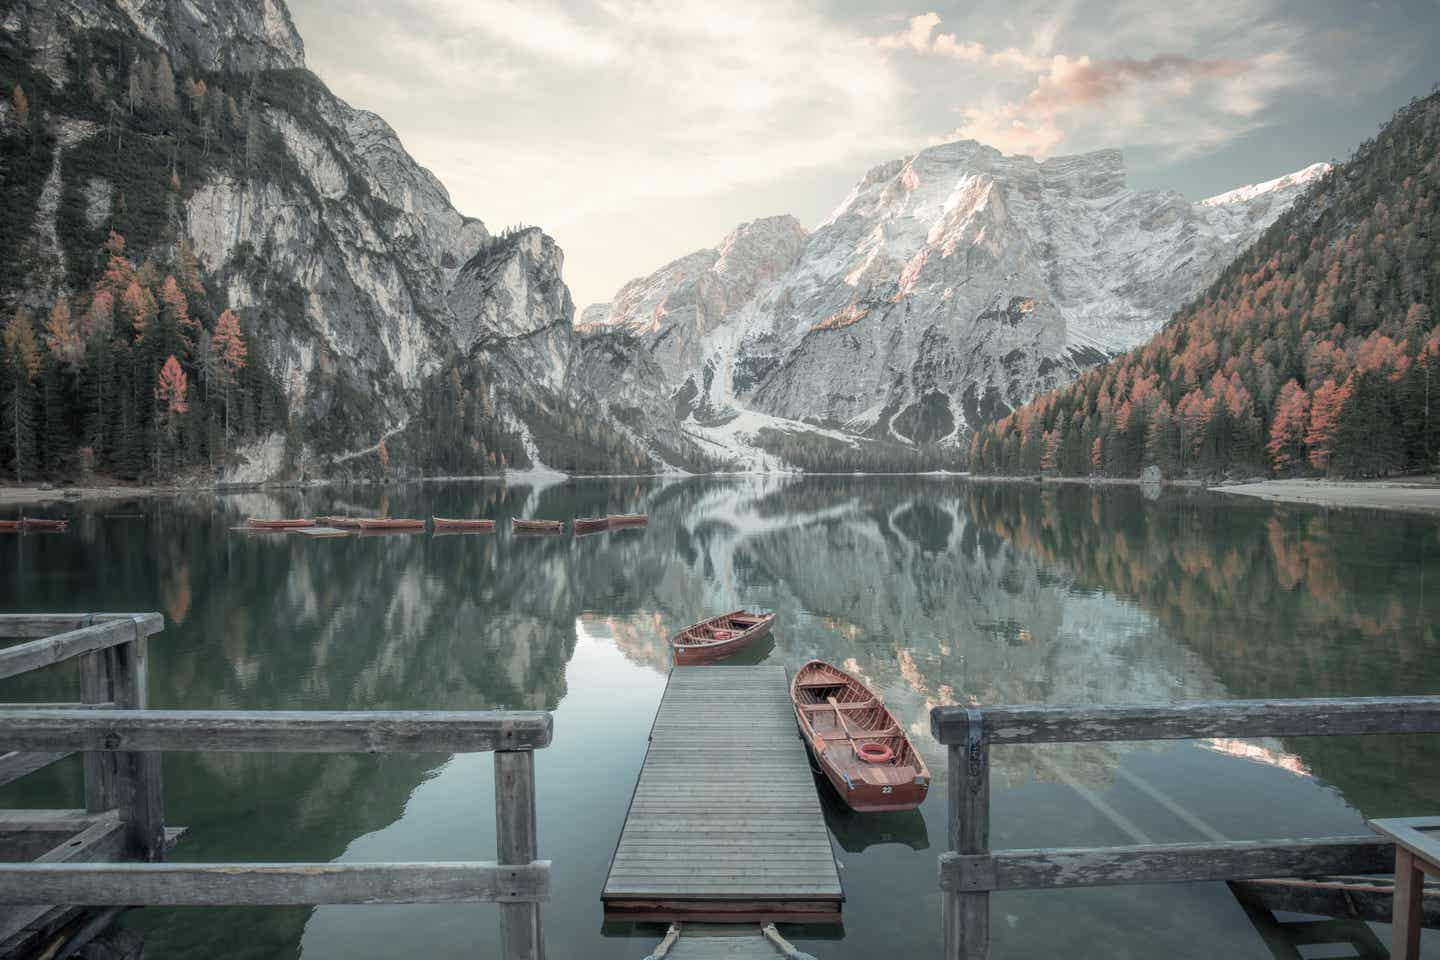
[389,523]
[9,526]
[441,523]
[256,524]
[628,519]
[341,523]
[36,523]
[719,637]
[591,524]
[856,741]
[537,526]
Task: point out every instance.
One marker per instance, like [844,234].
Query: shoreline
[1415,495]
[1420,495]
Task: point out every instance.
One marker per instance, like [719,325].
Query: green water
[935,590]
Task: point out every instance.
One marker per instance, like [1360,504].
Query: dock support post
[97,685]
[966,915]
[138,788]
[520,937]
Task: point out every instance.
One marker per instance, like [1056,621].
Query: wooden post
[138,789]
[520,937]
[1409,883]
[966,915]
[97,685]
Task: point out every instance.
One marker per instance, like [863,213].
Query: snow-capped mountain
[948,287]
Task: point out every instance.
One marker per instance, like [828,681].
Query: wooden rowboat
[441,523]
[856,741]
[537,526]
[591,524]
[257,524]
[628,519]
[396,523]
[340,523]
[37,523]
[719,637]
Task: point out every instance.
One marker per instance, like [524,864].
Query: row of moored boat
[855,740]
[582,525]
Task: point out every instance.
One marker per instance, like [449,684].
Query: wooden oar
[844,727]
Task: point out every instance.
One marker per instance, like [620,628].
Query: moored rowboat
[719,637]
[856,740]
[537,526]
[258,524]
[443,523]
[591,524]
[396,523]
[628,519]
[340,523]
[38,523]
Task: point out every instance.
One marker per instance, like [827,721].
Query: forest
[1312,354]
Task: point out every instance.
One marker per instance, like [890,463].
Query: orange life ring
[874,753]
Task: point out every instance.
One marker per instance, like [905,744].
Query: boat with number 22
[856,741]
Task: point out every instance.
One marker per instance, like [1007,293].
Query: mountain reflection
[933,590]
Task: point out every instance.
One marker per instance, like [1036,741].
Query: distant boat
[40,523]
[9,526]
[257,524]
[719,637]
[628,519]
[537,526]
[442,523]
[855,739]
[395,523]
[342,523]
[591,524]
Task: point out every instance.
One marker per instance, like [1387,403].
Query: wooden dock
[725,825]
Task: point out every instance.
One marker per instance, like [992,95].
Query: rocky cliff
[382,308]
[947,288]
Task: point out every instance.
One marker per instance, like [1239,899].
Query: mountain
[1311,353]
[948,288]
[382,325]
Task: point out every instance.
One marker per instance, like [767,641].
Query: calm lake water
[933,589]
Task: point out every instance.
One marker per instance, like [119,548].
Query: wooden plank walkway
[725,824]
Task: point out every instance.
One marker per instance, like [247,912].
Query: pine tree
[1287,429]
[164,82]
[228,345]
[21,367]
[21,105]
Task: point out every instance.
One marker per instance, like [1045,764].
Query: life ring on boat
[874,753]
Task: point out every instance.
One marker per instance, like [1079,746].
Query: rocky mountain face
[946,289]
[341,252]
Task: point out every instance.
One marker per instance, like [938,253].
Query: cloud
[919,36]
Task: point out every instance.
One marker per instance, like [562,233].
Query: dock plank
[725,817]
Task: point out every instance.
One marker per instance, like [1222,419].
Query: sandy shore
[1416,494]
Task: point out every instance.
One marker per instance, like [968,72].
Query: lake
[933,589]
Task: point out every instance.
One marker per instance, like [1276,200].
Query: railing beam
[223,884]
[1194,720]
[1165,863]
[276,731]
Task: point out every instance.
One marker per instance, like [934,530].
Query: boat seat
[825,707]
[860,735]
[819,684]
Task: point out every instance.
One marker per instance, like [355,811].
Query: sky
[636,131]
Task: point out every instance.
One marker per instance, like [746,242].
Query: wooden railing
[970,871]
[124,817]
